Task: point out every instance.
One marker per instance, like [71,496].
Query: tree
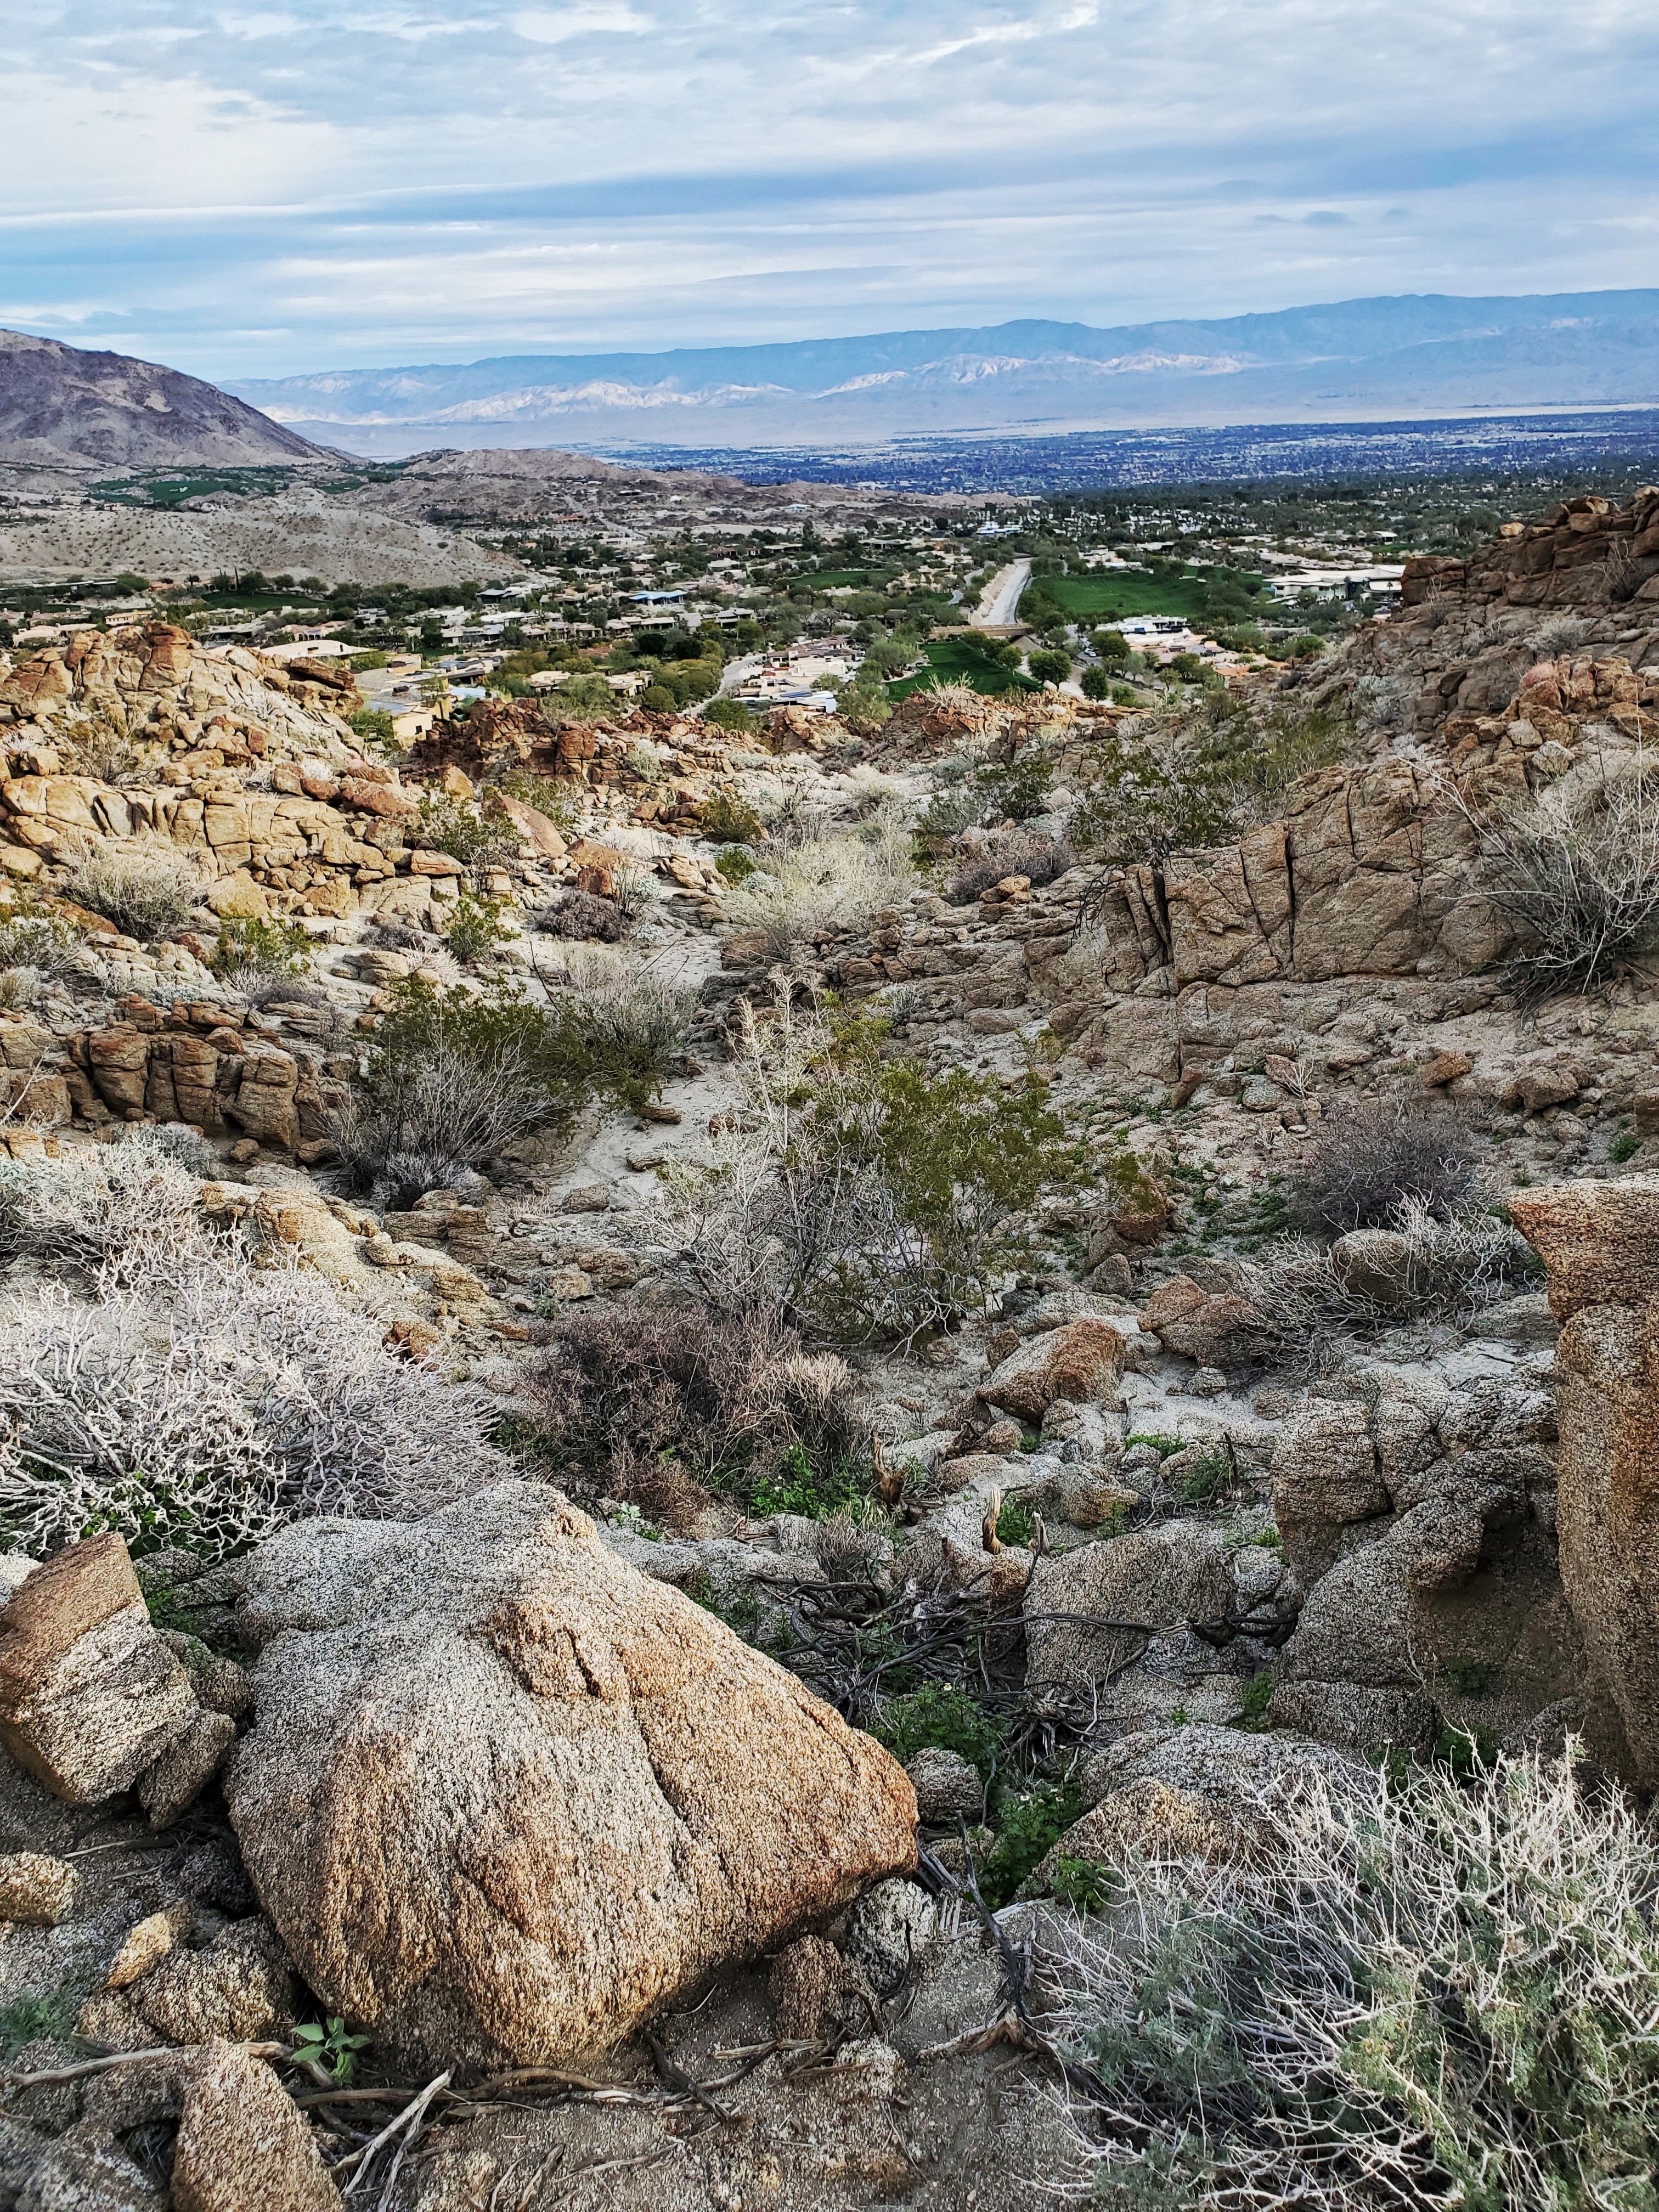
[1097,683]
[1110,644]
[1049,665]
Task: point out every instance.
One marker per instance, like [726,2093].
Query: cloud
[260,189]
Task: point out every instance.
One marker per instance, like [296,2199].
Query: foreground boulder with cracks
[506,1797]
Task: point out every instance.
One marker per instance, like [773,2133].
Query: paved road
[1000,598]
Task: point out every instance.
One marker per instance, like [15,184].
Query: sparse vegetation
[147,891]
[1370,1153]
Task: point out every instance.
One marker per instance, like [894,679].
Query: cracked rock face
[507,1797]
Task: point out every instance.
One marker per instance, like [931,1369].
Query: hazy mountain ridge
[1431,355]
[63,406]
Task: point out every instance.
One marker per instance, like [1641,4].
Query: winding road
[1000,599]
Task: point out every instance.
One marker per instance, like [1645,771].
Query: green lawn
[1113,593]
[952,660]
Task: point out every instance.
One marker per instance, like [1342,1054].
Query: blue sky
[259,190]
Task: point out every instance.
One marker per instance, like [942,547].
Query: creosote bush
[1369,1153]
[257,948]
[1443,1995]
[1042,859]
[474,835]
[580,914]
[659,1404]
[148,891]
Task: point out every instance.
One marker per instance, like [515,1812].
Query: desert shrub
[727,819]
[372,722]
[127,1209]
[1442,1996]
[473,835]
[864,706]
[148,890]
[454,1076]
[1454,1265]
[729,715]
[868,1200]
[475,926]
[1049,665]
[1576,870]
[1030,1824]
[943,1718]
[659,1404]
[39,939]
[257,947]
[581,915]
[1368,1153]
[800,897]
[1014,792]
[949,812]
[1180,787]
[657,699]
[1041,859]
[207,1406]
[109,757]
[735,862]
[557,797]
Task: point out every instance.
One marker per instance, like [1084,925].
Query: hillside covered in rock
[762,1469]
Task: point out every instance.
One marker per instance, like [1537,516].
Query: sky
[263,190]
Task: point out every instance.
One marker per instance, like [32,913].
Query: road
[1000,598]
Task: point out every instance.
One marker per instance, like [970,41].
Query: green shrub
[1014,793]
[1029,1826]
[658,699]
[1017,1523]
[1624,1147]
[261,947]
[727,819]
[1084,1885]
[472,834]
[939,1718]
[30,2020]
[800,1487]
[372,722]
[1097,683]
[558,798]
[34,935]
[729,714]
[735,862]
[475,926]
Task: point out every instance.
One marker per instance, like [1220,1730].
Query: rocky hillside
[700,1440]
[64,406]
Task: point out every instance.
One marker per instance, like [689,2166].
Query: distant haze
[1356,359]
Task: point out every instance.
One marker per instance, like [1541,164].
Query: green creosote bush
[1016,792]
[148,891]
[949,812]
[735,862]
[558,798]
[373,722]
[941,1717]
[731,715]
[1624,1147]
[453,1076]
[475,926]
[864,708]
[473,835]
[1176,789]
[727,819]
[261,947]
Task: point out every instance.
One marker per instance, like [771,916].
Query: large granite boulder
[506,1796]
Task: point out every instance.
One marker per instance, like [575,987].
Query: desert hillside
[822,1468]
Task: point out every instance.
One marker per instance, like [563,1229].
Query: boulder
[506,1797]
[1082,1362]
[1607,1366]
[36,1891]
[89,1695]
[242,2141]
[1599,1241]
[886,1929]
[1377,1264]
[947,1786]
[1150,1579]
[1196,1323]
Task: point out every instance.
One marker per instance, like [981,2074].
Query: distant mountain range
[1357,360]
[60,406]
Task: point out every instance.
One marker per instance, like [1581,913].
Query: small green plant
[476,927]
[1624,1147]
[261,945]
[1466,1753]
[727,819]
[1017,1523]
[1204,1482]
[28,2019]
[735,862]
[941,1718]
[1084,1884]
[161,1600]
[740,1610]
[1258,1696]
[551,796]
[326,2051]
[800,1487]
[372,722]
[1165,1446]
[1469,1678]
[1030,1826]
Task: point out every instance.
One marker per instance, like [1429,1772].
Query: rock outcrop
[506,1797]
